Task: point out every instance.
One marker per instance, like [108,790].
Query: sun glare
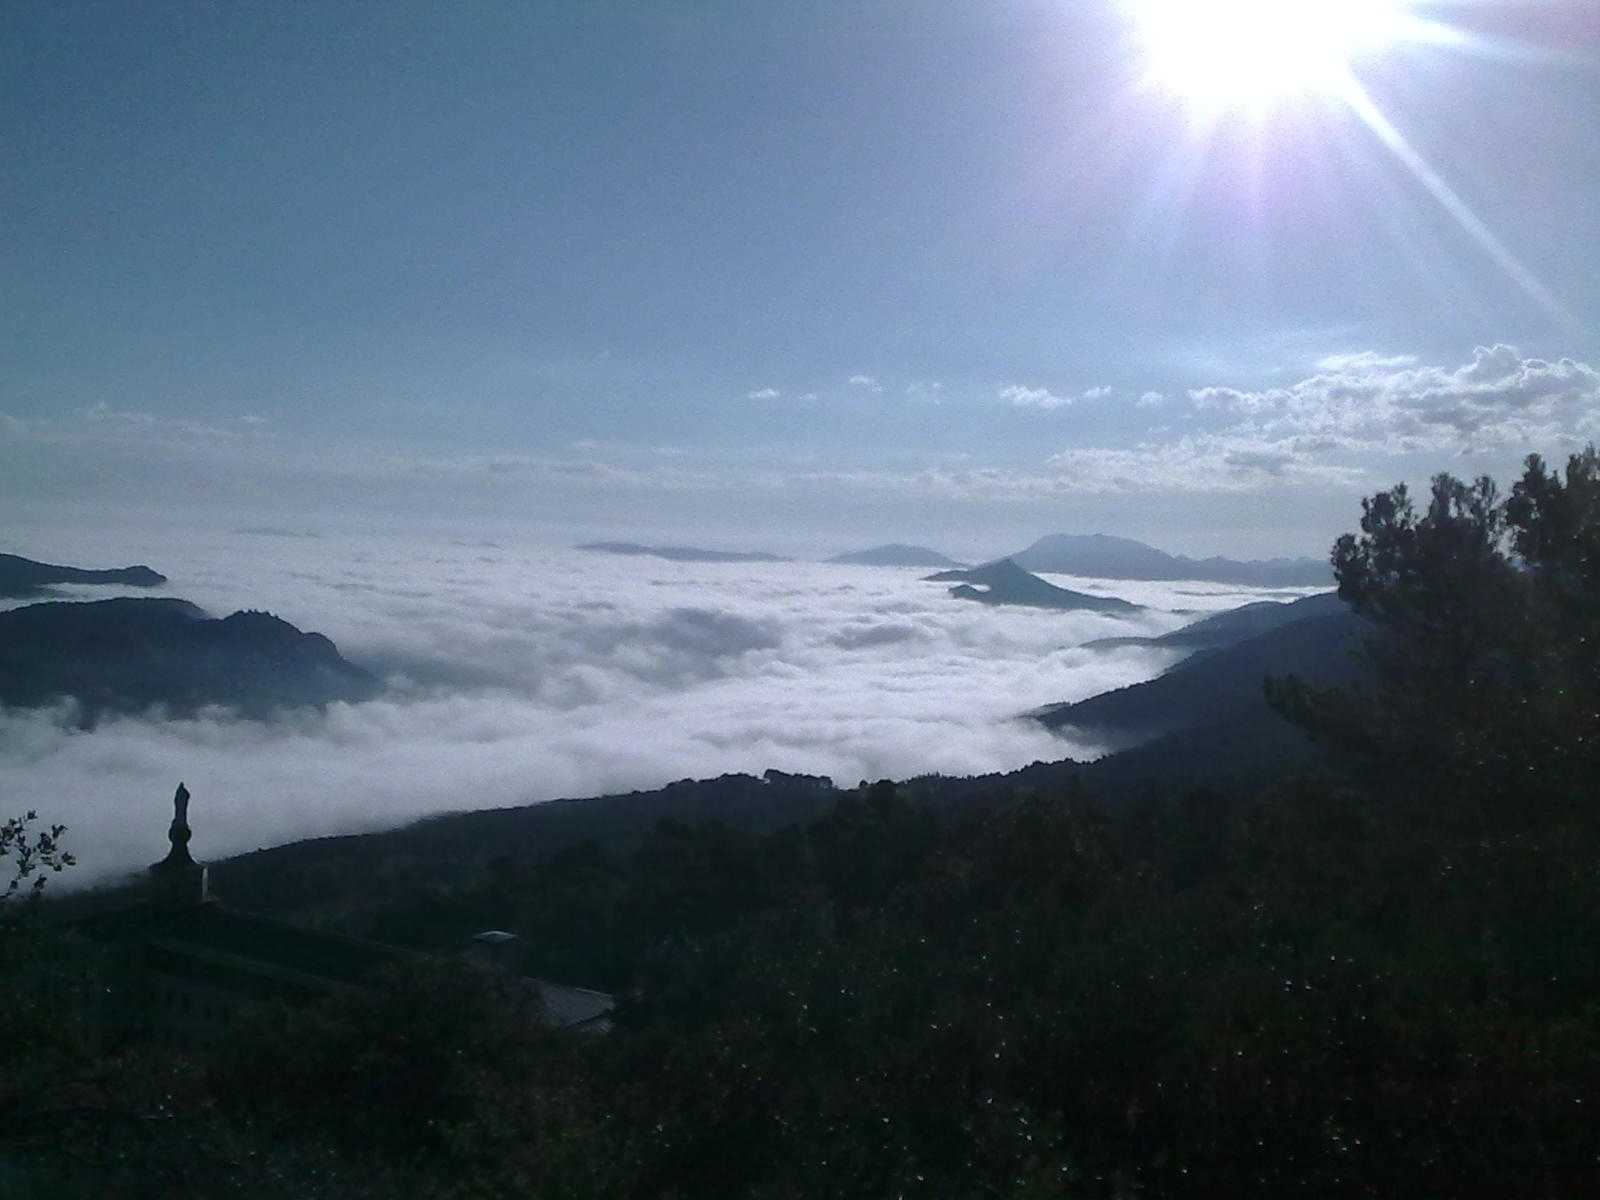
[1253,55]
[1222,58]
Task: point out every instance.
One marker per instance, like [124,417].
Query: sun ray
[1256,59]
[1361,103]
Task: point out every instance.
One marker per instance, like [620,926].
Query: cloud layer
[1369,402]
[1328,429]
[523,674]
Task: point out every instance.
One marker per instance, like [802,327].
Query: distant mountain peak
[1004,582]
[21,577]
[895,554]
[680,553]
[1105,556]
[130,653]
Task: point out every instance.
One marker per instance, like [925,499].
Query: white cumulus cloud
[1022,396]
[1371,402]
[1032,397]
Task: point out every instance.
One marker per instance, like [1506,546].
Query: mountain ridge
[133,653]
[1004,582]
[24,577]
[1103,556]
[1220,685]
[680,553]
[1232,625]
[896,554]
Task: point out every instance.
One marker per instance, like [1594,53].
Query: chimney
[179,880]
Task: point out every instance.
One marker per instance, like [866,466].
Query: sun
[1253,56]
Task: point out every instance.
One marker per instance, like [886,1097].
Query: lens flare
[1224,59]
[1254,55]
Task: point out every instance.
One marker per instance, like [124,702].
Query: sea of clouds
[520,673]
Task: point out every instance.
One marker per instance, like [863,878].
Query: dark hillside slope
[347,876]
[129,654]
[1217,686]
[1236,624]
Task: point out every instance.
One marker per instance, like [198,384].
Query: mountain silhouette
[1004,582]
[130,654]
[680,553]
[22,577]
[1234,625]
[1216,687]
[895,555]
[1101,556]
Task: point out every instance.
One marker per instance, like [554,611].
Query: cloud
[763,394]
[1393,404]
[1365,360]
[1234,401]
[1270,462]
[1150,400]
[102,421]
[929,392]
[867,634]
[868,383]
[520,674]
[1046,400]
[1200,464]
[1328,430]
[1030,397]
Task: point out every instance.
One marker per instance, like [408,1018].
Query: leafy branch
[35,854]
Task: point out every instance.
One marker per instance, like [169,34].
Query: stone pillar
[179,880]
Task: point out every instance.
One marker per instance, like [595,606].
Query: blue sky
[779,274]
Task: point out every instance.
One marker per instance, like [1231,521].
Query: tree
[1555,531]
[32,853]
[1484,661]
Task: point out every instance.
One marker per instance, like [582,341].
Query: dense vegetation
[1381,977]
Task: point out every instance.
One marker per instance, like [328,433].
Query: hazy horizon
[75,537]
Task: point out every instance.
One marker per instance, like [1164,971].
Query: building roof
[571,1008]
[180,917]
[265,946]
[213,928]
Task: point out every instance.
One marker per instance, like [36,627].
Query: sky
[787,276]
